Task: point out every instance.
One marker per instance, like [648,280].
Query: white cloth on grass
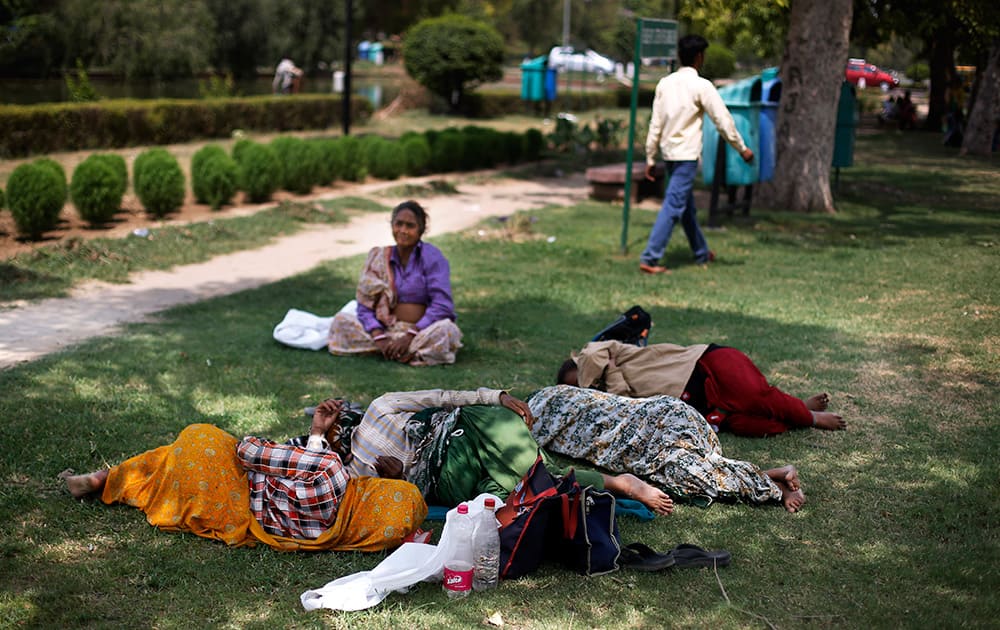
[301,329]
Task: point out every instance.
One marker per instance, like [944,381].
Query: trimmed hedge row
[46,128]
[494,103]
[37,190]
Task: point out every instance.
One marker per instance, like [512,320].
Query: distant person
[907,112]
[722,383]
[888,113]
[287,77]
[404,308]
[675,129]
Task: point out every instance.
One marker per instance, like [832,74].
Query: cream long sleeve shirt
[675,127]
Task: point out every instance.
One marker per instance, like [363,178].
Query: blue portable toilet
[743,100]
[770,94]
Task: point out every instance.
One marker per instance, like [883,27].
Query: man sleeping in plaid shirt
[296,487]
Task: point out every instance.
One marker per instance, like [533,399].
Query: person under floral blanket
[659,439]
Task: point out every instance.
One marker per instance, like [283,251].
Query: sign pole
[653,38]
[630,148]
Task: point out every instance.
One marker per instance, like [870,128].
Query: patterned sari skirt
[660,439]
[434,345]
[197,485]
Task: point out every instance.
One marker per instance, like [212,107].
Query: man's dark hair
[688,48]
[564,369]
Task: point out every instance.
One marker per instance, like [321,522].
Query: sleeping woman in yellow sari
[292,496]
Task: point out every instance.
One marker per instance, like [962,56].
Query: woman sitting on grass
[293,496]
[722,383]
[660,439]
[404,306]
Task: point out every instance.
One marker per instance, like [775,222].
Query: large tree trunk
[811,73]
[985,112]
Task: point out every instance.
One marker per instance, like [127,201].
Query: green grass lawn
[890,305]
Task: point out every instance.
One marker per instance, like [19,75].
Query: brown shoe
[643,267]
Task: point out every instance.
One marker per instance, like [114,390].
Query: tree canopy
[450,54]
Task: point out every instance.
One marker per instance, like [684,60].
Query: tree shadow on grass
[24,284]
[876,506]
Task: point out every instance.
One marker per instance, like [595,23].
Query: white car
[566,58]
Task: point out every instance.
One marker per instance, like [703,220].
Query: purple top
[425,280]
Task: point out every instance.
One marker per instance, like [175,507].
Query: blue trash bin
[533,79]
[847,122]
[743,100]
[551,83]
[770,95]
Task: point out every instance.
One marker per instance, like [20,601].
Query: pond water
[379,92]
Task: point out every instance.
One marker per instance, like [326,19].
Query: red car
[863,74]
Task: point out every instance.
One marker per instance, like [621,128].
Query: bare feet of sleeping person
[81,485]
[787,478]
[786,474]
[791,499]
[819,402]
[635,488]
[828,420]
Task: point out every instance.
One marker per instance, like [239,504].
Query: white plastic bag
[411,563]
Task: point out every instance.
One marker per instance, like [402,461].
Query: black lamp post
[346,114]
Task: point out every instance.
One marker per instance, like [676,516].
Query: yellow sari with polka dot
[197,485]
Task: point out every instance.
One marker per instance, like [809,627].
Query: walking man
[682,98]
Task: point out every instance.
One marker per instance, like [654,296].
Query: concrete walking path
[97,308]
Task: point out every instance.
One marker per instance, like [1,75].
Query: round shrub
[198,185]
[238,147]
[533,143]
[720,62]
[60,173]
[447,152]
[351,168]
[218,179]
[117,164]
[299,162]
[96,190]
[417,152]
[259,171]
[35,199]
[389,161]
[367,148]
[326,171]
[159,182]
[513,147]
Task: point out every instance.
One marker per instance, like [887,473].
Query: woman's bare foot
[828,420]
[787,475]
[635,488]
[81,485]
[819,402]
[791,499]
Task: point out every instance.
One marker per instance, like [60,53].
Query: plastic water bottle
[487,549]
[459,568]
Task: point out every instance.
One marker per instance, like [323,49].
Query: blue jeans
[678,203]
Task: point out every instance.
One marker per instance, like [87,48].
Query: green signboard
[657,38]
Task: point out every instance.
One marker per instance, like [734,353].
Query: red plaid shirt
[294,492]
